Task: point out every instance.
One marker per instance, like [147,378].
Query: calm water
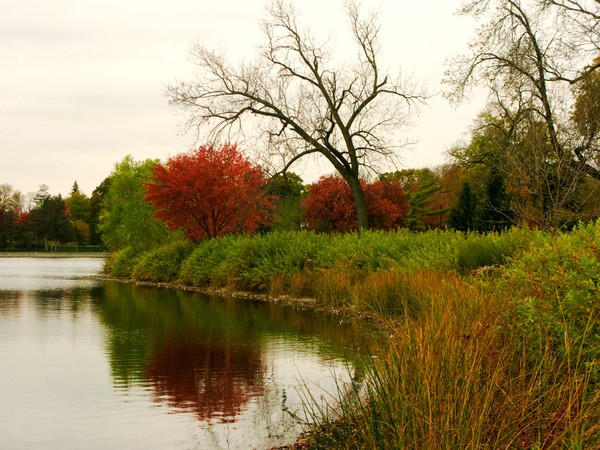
[89,364]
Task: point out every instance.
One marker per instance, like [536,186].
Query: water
[92,364]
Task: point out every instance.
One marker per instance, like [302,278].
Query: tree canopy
[125,220]
[329,206]
[532,55]
[208,193]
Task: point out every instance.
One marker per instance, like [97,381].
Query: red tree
[329,205]
[209,193]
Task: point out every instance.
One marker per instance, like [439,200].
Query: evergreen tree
[496,213]
[463,216]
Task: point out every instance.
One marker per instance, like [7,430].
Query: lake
[93,364]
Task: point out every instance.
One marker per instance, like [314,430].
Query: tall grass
[457,378]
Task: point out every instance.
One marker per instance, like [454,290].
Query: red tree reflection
[214,378]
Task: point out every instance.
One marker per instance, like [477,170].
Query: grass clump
[457,376]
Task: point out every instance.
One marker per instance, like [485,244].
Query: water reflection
[205,374]
[115,362]
[208,355]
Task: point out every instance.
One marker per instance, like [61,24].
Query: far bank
[53,254]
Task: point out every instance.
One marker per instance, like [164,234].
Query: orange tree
[329,205]
[208,193]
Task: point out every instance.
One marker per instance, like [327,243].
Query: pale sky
[82,81]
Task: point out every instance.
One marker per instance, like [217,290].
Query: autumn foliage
[329,205]
[208,193]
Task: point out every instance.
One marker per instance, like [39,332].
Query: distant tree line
[216,191]
[41,221]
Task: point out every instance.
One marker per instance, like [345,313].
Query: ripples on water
[97,365]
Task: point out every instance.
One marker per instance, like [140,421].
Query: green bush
[162,264]
[491,249]
[556,289]
[213,263]
[267,257]
[122,262]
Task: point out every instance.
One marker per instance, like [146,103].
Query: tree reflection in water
[221,358]
[206,375]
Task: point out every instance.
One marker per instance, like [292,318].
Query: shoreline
[381,322]
[53,254]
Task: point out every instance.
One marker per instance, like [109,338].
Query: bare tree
[530,54]
[582,17]
[301,103]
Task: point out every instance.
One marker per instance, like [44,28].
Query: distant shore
[53,254]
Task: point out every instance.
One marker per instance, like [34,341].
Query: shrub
[213,263]
[556,291]
[122,262]
[491,249]
[162,264]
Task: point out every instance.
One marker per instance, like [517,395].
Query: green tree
[289,190]
[50,221]
[79,204]
[424,194]
[496,212]
[79,210]
[127,221]
[96,201]
[463,216]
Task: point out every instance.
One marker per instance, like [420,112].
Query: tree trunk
[360,201]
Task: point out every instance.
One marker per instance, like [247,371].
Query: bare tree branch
[299,101]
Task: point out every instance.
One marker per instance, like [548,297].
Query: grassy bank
[496,337]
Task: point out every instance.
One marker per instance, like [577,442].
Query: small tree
[125,220]
[209,193]
[79,212]
[463,216]
[329,205]
[50,220]
[288,189]
[423,191]
[496,214]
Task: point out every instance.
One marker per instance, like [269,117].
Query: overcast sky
[82,81]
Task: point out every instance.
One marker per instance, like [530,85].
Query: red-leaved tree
[208,193]
[329,205]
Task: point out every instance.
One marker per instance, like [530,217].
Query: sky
[82,82]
